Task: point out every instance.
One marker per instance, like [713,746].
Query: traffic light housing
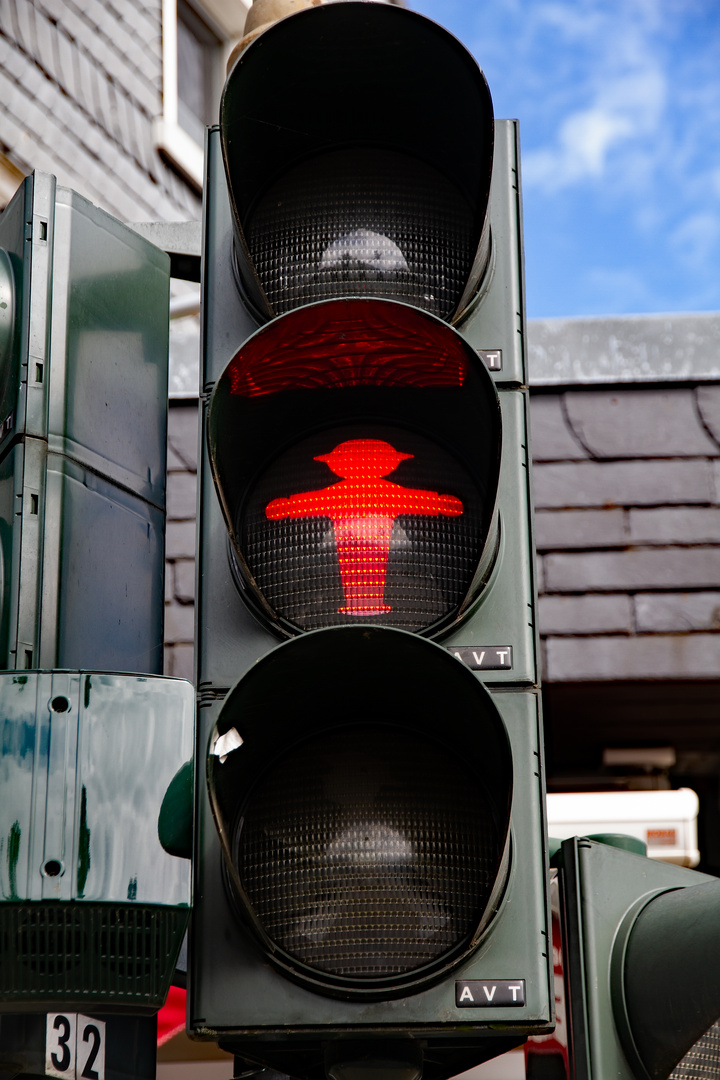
[364,485]
[83,421]
[636,961]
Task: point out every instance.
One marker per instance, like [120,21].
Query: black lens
[362,222]
[369,851]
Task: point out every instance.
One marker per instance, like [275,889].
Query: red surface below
[171,1018]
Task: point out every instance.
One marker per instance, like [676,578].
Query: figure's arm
[449,505]
[417,501]
[306,504]
[278,508]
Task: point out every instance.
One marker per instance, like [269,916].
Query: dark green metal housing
[641,945]
[242,992]
[92,908]
[83,421]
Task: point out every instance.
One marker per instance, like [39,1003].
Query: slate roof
[627,517]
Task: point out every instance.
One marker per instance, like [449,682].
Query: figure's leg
[363,548]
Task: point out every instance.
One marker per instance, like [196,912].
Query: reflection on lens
[363,252]
[362,222]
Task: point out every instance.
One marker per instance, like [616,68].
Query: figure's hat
[369,458]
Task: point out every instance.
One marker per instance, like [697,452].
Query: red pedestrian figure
[362,508]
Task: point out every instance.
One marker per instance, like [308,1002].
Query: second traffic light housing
[637,944]
[83,425]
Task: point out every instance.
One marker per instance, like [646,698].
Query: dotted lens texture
[702,1061]
[304,565]
[368,852]
[362,223]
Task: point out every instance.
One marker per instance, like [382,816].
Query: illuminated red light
[356,371]
[363,508]
[349,343]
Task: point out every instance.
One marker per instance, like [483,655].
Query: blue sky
[619,109]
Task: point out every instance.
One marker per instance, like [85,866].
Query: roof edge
[616,349]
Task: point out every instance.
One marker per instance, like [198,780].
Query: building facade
[112,96]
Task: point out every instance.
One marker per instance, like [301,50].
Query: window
[197,40]
[199,60]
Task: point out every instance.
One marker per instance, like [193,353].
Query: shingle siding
[564,485]
[628,531]
[675,525]
[634,568]
[80,88]
[657,613]
[586,614]
[627,658]
[638,424]
[563,529]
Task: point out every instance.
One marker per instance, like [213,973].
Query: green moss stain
[83,868]
[13,854]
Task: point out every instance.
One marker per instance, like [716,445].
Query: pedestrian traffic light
[636,960]
[370,881]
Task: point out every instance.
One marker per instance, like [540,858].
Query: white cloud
[575,22]
[623,116]
[580,151]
